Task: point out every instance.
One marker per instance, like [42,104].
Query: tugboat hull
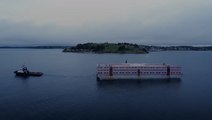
[28,74]
[35,73]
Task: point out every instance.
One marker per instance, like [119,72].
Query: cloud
[70,21]
[16,33]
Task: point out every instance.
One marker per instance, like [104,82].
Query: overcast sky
[64,22]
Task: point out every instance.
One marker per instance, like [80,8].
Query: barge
[137,71]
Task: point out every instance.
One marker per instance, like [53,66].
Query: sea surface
[68,90]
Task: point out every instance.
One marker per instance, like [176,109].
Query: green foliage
[121,48]
[98,48]
[107,48]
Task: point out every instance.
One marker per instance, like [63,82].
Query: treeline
[107,48]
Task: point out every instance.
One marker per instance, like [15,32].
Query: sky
[68,22]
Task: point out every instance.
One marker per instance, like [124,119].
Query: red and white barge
[137,71]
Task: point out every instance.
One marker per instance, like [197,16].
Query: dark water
[69,90]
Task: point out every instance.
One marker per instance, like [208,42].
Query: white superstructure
[137,71]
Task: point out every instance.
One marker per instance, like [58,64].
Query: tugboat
[25,72]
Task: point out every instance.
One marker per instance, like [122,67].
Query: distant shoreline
[148,48]
[33,47]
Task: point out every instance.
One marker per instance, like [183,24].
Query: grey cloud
[190,28]
[27,34]
[144,22]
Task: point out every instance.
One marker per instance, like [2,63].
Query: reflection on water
[21,77]
[139,83]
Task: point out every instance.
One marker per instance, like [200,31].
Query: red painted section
[111,71]
[168,71]
[138,72]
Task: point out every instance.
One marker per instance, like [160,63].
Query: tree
[121,48]
[99,48]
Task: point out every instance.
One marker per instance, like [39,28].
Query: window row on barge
[137,71]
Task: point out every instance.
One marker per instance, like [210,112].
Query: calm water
[69,90]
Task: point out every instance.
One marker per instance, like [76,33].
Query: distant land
[33,47]
[177,48]
[114,48]
[107,48]
[130,48]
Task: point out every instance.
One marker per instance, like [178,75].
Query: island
[122,48]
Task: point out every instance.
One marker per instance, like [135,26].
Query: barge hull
[136,77]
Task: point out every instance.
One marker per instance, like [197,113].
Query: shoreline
[148,48]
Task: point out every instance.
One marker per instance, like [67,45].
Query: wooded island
[107,48]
